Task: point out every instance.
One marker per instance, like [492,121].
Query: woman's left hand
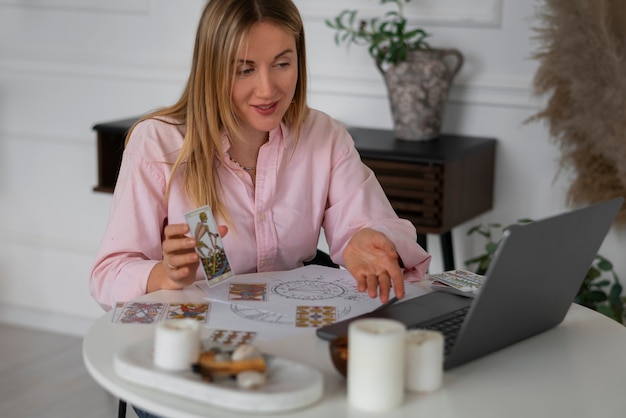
[373,261]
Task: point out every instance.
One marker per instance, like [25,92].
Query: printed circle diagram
[309,290]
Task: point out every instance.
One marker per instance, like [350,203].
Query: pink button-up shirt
[318,181]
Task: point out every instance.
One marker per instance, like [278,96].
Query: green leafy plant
[389,39]
[601,289]
[488,232]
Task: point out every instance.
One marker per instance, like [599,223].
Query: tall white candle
[376,353]
[424,360]
[176,344]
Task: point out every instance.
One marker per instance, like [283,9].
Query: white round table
[574,370]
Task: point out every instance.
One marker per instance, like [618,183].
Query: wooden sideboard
[111,137]
[436,184]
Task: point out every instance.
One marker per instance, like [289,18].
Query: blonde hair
[205,107]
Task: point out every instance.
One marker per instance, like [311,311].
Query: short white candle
[176,344]
[424,360]
[376,353]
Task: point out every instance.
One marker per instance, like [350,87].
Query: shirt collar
[280,133]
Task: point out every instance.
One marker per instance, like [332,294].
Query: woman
[243,140]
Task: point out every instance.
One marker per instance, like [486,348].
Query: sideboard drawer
[413,189]
[436,184]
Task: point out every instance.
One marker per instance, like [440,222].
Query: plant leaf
[593,273]
[605,310]
[473,229]
[605,264]
[491,247]
[597,296]
[615,294]
[601,283]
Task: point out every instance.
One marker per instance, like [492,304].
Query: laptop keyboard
[449,327]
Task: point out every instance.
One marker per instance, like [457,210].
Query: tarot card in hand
[210,248]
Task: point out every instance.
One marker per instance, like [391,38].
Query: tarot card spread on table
[210,248]
[152,312]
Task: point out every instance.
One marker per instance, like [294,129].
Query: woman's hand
[180,260]
[373,261]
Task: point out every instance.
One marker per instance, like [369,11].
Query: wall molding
[30,62]
[475,13]
[488,90]
[511,91]
[123,6]
[441,12]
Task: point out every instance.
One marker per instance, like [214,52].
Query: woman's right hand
[180,260]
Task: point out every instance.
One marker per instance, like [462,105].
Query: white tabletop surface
[577,369]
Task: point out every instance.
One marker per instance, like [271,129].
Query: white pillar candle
[424,360]
[177,344]
[376,353]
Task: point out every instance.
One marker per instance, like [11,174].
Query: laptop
[530,284]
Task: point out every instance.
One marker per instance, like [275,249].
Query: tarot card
[197,311]
[460,282]
[232,338]
[315,316]
[139,312]
[210,248]
[247,291]
[117,311]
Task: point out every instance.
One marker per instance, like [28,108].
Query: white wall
[67,64]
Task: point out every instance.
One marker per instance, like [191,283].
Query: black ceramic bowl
[339,354]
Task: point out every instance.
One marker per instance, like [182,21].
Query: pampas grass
[583,70]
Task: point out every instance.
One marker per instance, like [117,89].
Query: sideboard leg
[121,409]
[422,241]
[447,251]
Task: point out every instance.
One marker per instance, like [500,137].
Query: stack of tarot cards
[460,282]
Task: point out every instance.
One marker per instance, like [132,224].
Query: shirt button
[262,217]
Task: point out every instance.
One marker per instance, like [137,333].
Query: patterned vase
[418,89]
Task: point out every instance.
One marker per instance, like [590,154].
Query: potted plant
[601,289]
[417,76]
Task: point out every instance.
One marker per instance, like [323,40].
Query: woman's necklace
[250,170]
